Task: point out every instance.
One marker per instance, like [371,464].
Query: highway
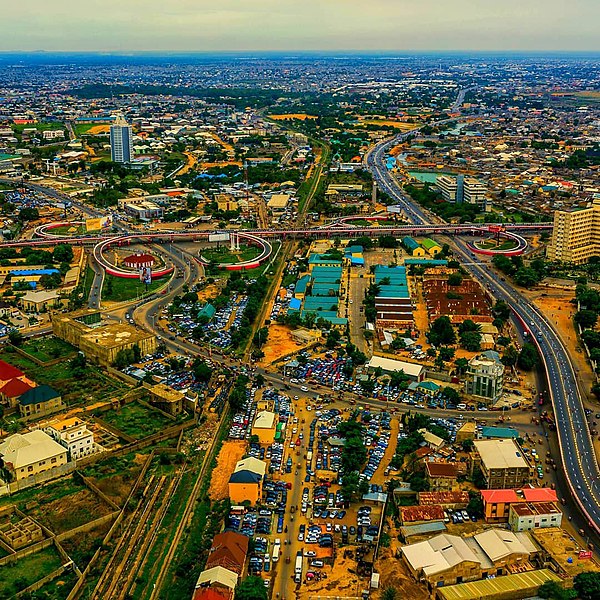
[579,461]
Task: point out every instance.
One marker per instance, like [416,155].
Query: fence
[21,484]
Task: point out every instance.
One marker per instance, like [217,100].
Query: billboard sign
[146,275]
[97,224]
[585,554]
[218,237]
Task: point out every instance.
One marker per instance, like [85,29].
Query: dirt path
[230,454]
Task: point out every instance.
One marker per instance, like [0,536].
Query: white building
[525,516]
[485,377]
[74,435]
[121,141]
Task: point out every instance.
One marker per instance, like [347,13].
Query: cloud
[199,25]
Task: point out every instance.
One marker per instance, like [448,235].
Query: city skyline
[268,25]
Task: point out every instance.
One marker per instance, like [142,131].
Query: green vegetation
[94,385]
[524,275]
[251,588]
[429,197]
[48,348]
[136,420]
[120,289]
[224,255]
[17,576]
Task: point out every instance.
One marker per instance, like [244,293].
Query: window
[53,460]
[29,468]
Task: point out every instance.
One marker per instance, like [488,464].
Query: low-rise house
[228,550]
[74,435]
[40,401]
[245,483]
[441,476]
[524,516]
[24,455]
[220,579]
[264,427]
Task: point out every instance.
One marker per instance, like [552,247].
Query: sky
[299,25]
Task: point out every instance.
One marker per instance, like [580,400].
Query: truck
[276,550]
[298,567]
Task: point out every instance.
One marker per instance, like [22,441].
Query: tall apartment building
[461,189]
[485,378]
[121,141]
[576,235]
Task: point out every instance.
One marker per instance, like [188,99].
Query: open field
[231,452]
[69,230]
[389,123]
[136,420]
[18,128]
[17,576]
[46,494]
[297,116]
[224,255]
[279,342]
[91,129]
[48,348]
[96,385]
[119,289]
[71,511]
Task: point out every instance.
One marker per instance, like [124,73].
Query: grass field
[119,289]
[48,348]
[94,386]
[389,123]
[88,281]
[297,116]
[39,126]
[68,230]
[44,494]
[491,245]
[136,420]
[91,128]
[224,255]
[28,570]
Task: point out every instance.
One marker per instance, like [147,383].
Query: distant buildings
[485,378]
[121,141]
[575,235]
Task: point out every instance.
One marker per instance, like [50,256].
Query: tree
[62,253]
[390,593]
[461,365]
[29,214]
[388,241]
[333,339]
[15,337]
[455,279]
[554,591]
[451,395]
[501,310]
[259,380]
[528,357]
[587,585]
[510,356]
[442,332]
[526,277]
[586,318]
[251,588]
[503,263]
[202,372]
[471,341]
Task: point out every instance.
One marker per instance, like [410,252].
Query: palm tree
[390,593]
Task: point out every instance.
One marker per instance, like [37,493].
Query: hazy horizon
[264,26]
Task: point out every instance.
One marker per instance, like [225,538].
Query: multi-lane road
[579,461]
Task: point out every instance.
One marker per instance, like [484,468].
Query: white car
[304,388]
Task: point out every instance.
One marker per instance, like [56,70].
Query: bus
[276,550]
